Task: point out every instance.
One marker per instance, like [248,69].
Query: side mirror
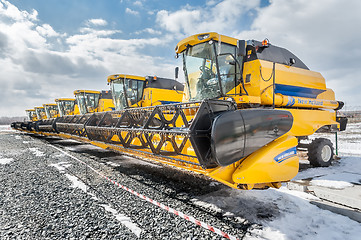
[176,72]
[241,48]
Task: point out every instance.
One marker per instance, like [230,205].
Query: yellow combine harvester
[26,124]
[47,125]
[247,104]
[67,108]
[88,102]
[128,92]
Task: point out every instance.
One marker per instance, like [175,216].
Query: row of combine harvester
[245,111]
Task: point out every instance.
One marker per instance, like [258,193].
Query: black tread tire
[315,152]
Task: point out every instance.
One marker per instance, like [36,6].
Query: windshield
[87,102]
[126,92]
[66,107]
[29,114]
[51,111]
[40,113]
[203,73]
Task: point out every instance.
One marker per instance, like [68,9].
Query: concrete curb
[345,201]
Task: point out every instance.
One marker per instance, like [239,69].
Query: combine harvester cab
[88,102]
[246,106]
[52,113]
[67,108]
[131,96]
[41,116]
[31,115]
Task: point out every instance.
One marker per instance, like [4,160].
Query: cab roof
[120,76]
[38,107]
[86,91]
[203,37]
[49,104]
[64,99]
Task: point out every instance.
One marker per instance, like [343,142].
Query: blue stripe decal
[286,155]
[296,91]
[168,102]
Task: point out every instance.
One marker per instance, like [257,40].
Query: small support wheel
[320,152]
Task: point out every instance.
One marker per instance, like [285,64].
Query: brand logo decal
[286,155]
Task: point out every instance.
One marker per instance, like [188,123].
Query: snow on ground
[36,152]
[126,221]
[4,161]
[289,214]
[6,128]
[331,184]
[77,183]
[61,166]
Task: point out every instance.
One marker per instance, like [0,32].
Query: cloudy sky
[49,48]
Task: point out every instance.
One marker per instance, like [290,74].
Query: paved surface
[45,194]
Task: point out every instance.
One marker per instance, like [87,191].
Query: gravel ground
[45,194]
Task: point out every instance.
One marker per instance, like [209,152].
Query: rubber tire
[315,152]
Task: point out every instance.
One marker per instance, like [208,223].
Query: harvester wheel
[320,152]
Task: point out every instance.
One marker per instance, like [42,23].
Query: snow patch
[61,166]
[76,183]
[213,184]
[282,214]
[36,152]
[4,161]
[18,137]
[26,141]
[6,128]
[126,221]
[331,184]
[113,164]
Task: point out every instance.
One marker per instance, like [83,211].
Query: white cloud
[35,72]
[130,11]
[222,17]
[97,22]
[46,30]
[148,30]
[321,33]
[182,21]
[12,12]
[138,3]
[211,2]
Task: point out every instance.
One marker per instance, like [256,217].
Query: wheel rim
[326,153]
